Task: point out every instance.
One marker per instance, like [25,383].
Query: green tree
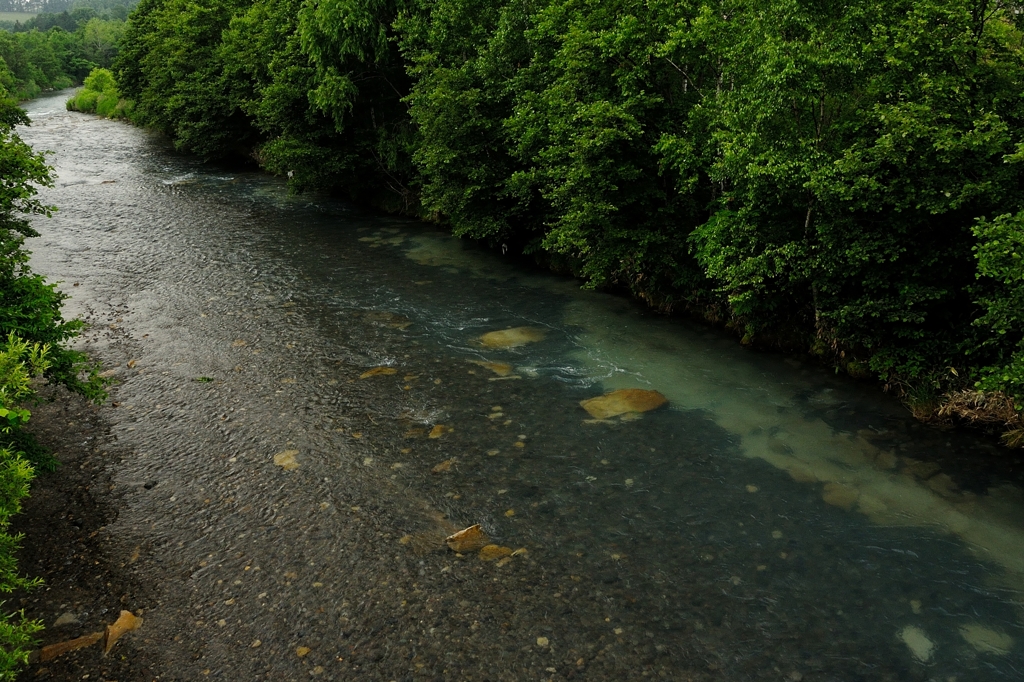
[815,175]
[19,362]
[99,95]
[100,40]
[171,66]
[359,81]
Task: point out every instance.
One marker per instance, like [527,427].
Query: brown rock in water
[919,469]
[378,371]
[624,401]
[943,484]
[52,651]
[986,640]
[468,540]
[286,460]
[802,475]
[512,338]
[840,495]
[502,369]
[439,430]
[444,466]
[126,622]
[492,552]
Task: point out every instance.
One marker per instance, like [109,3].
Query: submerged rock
[502,369]
[840,495]
[286,460]
[492,552]
[444,466]
[917,642]
[378,371]
[512,338]
[986,640]
[623,401]
[386,319]
[439,430]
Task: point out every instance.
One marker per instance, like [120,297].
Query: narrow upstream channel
[289,501]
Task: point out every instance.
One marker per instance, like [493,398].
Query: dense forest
[53,51]
[60,6]
[841,178]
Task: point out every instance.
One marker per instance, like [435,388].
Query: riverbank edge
[88,575]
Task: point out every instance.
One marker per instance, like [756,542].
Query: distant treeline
[839,177]
[57,6]
[53,51]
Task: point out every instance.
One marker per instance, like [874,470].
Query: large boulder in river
[512,338]
[623,401]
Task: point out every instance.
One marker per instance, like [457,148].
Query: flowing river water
[289,501]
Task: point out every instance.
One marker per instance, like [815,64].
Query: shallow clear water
[773,520]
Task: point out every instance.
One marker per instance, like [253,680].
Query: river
[312,406]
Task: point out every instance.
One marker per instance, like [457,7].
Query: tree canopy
[840,178]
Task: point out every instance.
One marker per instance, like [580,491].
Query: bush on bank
[19,362]
[99,96]
[844,179]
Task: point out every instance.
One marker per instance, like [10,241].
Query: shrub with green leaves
[1000,289]
[99,96]
[19,362]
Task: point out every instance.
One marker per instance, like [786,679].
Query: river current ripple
[289,501]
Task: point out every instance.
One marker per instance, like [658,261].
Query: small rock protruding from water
[622,402]
[125,623]
[468,539]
